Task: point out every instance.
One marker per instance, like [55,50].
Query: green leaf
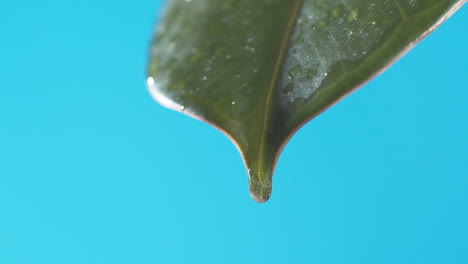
[260,69]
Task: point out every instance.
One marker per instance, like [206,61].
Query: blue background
[92,170]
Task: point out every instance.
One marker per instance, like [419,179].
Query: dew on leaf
[294,71]
[320,24]
[311,73]
[352,15]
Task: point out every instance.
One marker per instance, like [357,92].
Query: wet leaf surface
[259,70]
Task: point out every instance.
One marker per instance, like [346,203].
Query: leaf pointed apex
[260,185]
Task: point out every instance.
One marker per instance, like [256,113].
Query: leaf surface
[259,69]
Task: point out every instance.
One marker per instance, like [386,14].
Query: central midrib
[271,88]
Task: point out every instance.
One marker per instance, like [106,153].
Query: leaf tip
[260,186]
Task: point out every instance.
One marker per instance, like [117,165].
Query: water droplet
[320,24]
[311,73]
[233,102]
[294,71]
[150,81]
[352,15]
[204,78]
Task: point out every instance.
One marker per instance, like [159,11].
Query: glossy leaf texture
[259,69]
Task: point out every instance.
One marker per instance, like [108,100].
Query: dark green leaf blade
[258,70]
